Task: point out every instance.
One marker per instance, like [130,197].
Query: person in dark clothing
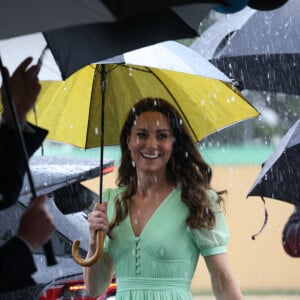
[36,225]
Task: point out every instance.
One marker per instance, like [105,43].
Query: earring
[133,163]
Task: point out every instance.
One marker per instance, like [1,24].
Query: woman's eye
[162,136]
[141,135]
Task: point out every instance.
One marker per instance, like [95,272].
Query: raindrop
[157,122]
[186,154]
[71,126]
[180,122]
[136,221]
[96,130]
[155,103]
[161,252]
[130,72]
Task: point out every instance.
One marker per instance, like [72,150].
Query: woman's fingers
[98,218]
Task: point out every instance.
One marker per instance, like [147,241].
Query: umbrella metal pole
[100,234]
[50,257]
[103,89]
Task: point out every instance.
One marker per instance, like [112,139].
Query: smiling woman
[169,184]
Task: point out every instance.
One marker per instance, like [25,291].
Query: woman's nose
[151,141]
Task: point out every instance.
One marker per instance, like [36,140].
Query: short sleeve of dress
[214,241]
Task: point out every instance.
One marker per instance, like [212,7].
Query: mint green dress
[160,263]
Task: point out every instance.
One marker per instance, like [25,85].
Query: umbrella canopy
[18,17]
[264,54]
[60,178]
[72,47]
[71,110]
[69,49]
[280,175]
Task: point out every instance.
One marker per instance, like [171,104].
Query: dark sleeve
[291,234]
[12,164]
[17,265]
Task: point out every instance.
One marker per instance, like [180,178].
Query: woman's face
[151,142]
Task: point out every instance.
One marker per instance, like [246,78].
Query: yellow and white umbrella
[204,96]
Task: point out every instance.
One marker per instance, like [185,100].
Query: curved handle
[88,262]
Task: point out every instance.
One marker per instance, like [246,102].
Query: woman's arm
[98,276]
[224,283]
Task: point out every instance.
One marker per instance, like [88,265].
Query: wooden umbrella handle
[90,261]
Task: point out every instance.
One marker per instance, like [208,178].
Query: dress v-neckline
[159,208]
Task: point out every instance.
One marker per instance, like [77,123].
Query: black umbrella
[18,17]
[280,175]
[264,54]
[72,48]
[139,23]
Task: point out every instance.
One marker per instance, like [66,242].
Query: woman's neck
[149,184]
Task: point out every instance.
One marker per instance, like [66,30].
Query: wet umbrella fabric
[69,49]
[280,175]
[17,17]
[71,110]
[264,54]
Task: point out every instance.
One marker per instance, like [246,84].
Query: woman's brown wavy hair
[186,168]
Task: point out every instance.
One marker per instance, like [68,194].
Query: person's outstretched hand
[36,224]
[24,88]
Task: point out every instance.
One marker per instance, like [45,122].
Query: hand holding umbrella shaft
[98,224]
[36,224]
